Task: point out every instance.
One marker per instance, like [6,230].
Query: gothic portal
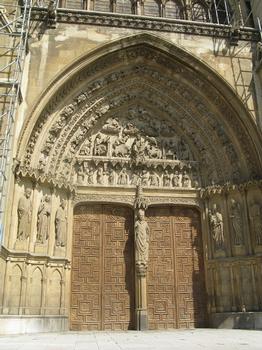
[135,196]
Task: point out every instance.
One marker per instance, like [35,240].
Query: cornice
[144,23]
[11,255]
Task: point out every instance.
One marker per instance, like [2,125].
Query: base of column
[141,320]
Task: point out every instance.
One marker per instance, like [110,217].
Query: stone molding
[145,23]
[227,188]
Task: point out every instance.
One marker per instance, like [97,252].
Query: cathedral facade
[134,192]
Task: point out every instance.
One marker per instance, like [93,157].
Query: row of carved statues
[89,175]
[215,216]
[24,212]
[236,216]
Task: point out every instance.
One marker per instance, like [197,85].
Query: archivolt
[142,73]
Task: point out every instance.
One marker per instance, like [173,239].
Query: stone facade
[112,105]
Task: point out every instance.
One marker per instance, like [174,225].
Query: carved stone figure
[152,149]
[111,176]
[145,178]
[101,145]
[217,228]
[256,222]
[141,241]
[42,162]
[90,176]
[237,223]
[123,177]
[154,179]
[120,148]
[135,179]
[166,179]
[176,179]
[43,220]
[86,148]
[80,173]
[185,180]
[138,149]
[100,176]
[111,126]
[60,225]
[170,150]
[24,213]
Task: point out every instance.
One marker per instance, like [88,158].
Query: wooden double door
[103,269]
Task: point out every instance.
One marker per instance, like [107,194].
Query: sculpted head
[28,192]
[63,203]
[47,198]
[141,214]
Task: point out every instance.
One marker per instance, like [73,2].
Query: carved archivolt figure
[43,220]
[217,227]
[237,222]
[256,222]
[24,212]
[61,224]
[141,241]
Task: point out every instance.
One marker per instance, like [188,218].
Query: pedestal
[141,303]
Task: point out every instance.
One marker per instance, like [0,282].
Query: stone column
[141,237]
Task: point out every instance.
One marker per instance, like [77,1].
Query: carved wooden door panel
[102,294]
[176,278]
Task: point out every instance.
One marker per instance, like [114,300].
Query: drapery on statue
[217,228]
[60,225]
[256,222]
[43,220]
[237,222]
[141,242]
[24,213]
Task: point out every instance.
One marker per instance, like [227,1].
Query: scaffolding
[14,28]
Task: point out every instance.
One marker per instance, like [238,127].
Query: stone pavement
[197,339]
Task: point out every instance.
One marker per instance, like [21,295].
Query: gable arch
[142,72]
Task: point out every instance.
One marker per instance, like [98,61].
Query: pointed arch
[188,94]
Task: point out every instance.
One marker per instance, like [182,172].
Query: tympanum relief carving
[135,148]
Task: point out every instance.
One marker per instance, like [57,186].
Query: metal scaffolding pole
[14,28]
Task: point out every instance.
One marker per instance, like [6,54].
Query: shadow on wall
[130,268]
[198,275]
[240,320]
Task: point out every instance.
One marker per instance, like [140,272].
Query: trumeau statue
[237,223]
[217,228]
[24,212]
[256,222]
[141,241]
[43,220]
[61,224]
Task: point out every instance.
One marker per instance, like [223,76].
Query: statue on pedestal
[43,220]
[217,228]
[60,225]
[24,213]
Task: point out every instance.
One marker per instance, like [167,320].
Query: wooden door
[102,293]
[176,278]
